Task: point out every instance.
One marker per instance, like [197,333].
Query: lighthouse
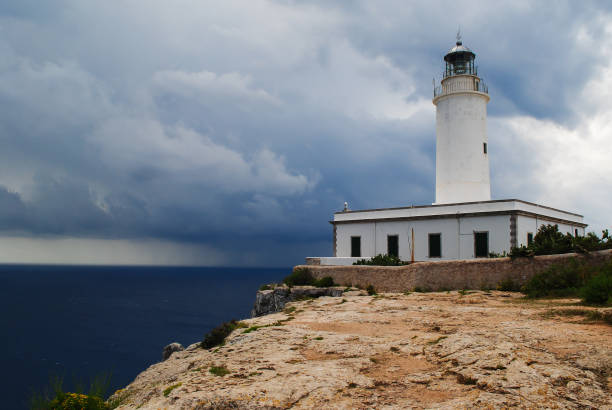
[463,222]
[462,160]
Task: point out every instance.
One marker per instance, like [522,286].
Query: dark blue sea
[78,322]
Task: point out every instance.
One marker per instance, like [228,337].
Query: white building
[464,222]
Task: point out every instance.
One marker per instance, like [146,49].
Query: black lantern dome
[460,60]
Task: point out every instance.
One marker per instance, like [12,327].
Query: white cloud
[178,154]
[560,165]
[205,84]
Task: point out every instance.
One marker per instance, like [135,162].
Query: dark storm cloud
[243,126]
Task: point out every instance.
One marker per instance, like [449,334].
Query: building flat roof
[502,206]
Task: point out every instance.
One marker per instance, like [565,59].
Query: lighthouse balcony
[460,83]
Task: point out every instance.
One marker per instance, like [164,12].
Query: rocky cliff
[274,300]
[432,350]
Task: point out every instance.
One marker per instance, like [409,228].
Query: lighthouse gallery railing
[463,83]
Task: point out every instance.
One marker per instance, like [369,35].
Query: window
[435,245]
[529,238]
[393,245]
[484,147]
[356,246]
[576,232]
[481,244]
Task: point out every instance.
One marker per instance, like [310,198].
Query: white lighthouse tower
[462,162]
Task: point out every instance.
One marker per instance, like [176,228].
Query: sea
[77,323]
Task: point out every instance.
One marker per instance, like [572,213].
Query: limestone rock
[274,300]
[171,348]
[426,350]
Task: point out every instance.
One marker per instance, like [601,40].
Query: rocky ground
[423,350]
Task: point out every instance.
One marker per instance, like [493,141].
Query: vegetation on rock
[593,282]
[299,277]
[169,389]
[598,290]
[217,336]
[58,399]
[381,260]
[548,241]
[303,277]
[219,370]
[508,285]
[325,282]
[588,314]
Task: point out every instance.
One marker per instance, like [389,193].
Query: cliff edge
[422,350]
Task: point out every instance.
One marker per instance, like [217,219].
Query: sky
[229,132]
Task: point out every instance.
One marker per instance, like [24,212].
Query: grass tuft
[219,370]
[588,314]
[169,389]
[466,379]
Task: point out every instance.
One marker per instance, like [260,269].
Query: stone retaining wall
[445,275]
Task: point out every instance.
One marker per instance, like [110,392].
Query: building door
[435,245]
[481,244]
[356,246]
[393,245]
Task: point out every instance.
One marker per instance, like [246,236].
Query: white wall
[343,238]
[457,239]
[498,227]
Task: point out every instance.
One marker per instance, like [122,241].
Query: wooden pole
[412,250]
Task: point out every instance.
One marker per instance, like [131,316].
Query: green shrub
[497,254]
[521,252]
[265,287]
[419,289]
[561,279]
[371,291]
[380,260]
[573,278]
[217,336]
[548,240]
[598,290]
[508,285]
[300,277]
[303,277]
[57,399]
[77,401]
[324,282]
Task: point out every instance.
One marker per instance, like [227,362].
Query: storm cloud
[209,132]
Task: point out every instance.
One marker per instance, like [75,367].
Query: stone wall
[444,275]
